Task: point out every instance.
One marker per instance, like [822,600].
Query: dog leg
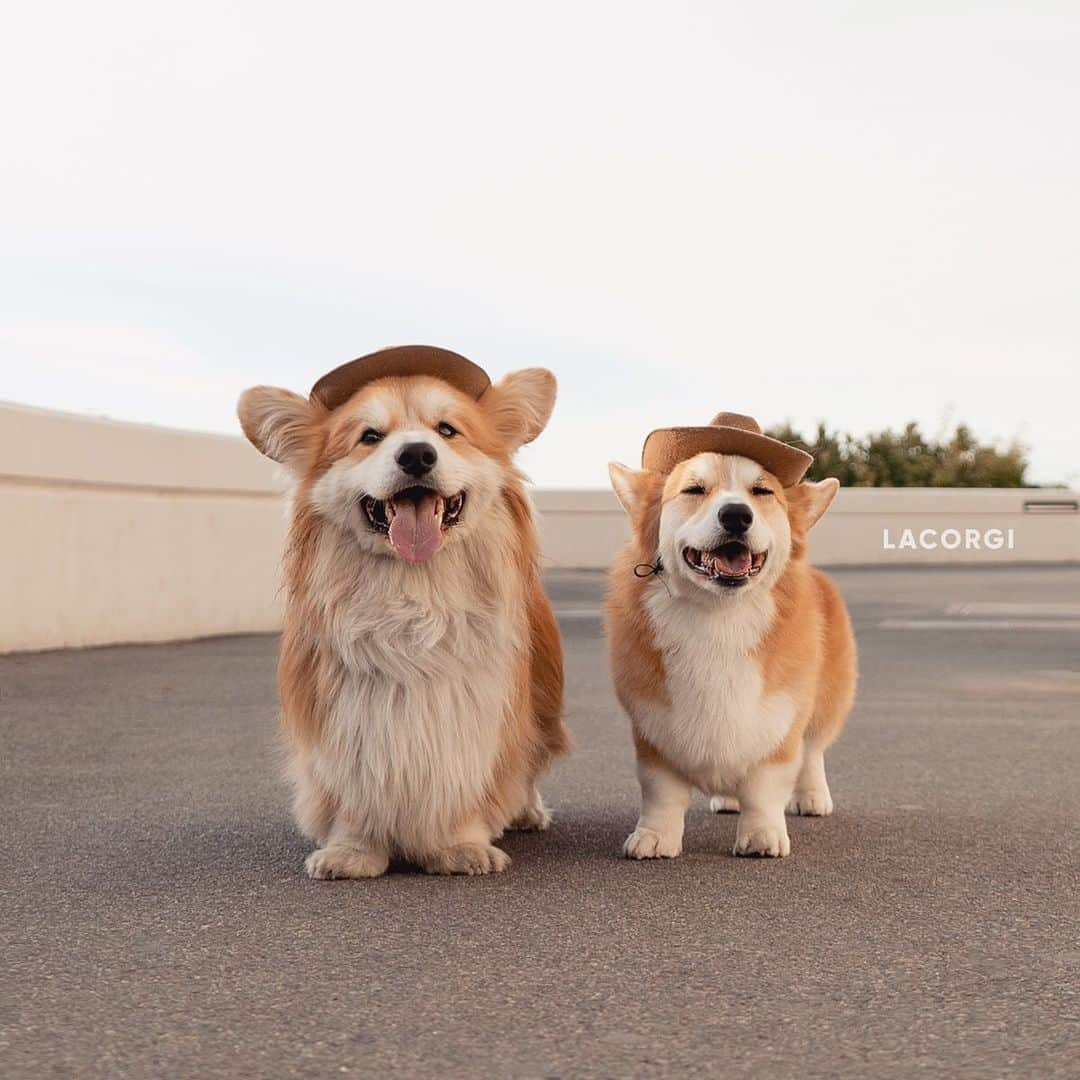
[471,852]
[347,854]
[763,794]
[812,796]
[313,807]
[664,799]
[534,814]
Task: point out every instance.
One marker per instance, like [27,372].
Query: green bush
[909,459]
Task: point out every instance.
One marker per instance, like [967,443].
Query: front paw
[471,859]
[762,838]
[815,803]
[342,861]
[645,843]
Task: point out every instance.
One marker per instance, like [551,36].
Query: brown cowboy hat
[337,386]
[727,433]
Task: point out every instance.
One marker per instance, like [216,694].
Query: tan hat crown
[735,420]
[727,433]
[337,386]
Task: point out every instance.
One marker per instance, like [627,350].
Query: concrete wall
[122,532]
[581,528]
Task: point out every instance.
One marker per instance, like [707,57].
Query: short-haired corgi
[734,658]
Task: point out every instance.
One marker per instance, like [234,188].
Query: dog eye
[757,489]
[694,489]
[370,436]
[447,431]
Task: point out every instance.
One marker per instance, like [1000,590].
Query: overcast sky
[862,212]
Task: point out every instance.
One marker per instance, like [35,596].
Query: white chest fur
[720,720]
[422,690]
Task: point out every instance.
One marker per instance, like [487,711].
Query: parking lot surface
[155,919]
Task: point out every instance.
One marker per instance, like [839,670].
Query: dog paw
[648,844]
[342,861]
[815,803]
[534,818]
[724,804]
[468,859]
[764,839]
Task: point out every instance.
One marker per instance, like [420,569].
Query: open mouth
[732,563]
[415,520]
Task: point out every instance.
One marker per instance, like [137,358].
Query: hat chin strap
[652,569]
[648,569]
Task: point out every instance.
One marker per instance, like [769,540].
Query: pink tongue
[416,531]
[734,561]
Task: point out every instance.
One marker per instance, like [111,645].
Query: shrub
[909,459]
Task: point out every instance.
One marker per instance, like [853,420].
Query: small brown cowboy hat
[727,433]
[337,386]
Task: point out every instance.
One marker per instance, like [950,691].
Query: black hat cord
[646,569]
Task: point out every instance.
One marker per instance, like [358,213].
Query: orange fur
[836,690]
[546,671]
[631,642]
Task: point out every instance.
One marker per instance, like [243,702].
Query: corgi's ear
[629,485]
[520,405]
[277,422]
[810,500]
[639,491]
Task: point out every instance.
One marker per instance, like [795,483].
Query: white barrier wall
[864,526]
[122,532]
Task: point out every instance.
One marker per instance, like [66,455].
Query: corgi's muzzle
[415,520]
[730,564]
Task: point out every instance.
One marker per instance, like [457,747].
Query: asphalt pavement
[155,919]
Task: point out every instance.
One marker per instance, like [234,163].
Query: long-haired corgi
[734,659]
[421,669]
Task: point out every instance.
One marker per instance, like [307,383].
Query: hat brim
[337,386]
[667,447]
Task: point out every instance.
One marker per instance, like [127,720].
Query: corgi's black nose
[736,517]
[417,458]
